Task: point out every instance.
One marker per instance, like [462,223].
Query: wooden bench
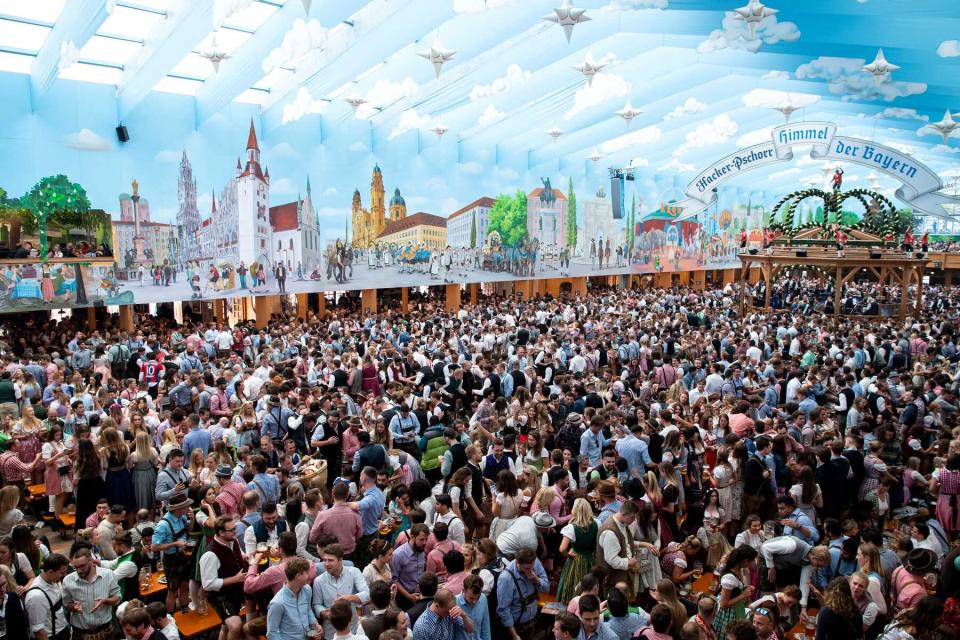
[67,523]
[192,624]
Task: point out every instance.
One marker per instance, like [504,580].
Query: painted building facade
[547,216]
[296,234]
[460,223]
[369,224]
[419,229]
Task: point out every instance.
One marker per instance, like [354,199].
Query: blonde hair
[7,576]
[862,577]
[169,437]
[197,461]
[544,498]
[143,446]
[469,551]
[652,486]
[530,471]
[9,499]
[872,556]
[582,514]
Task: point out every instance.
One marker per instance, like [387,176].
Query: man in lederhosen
[169,539]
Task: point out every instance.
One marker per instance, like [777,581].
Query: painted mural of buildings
[296,234]
[418,229]
[369,224]
[598,223]
[547,216]
[188,215]
[460,223]
[238,227]
[127,208]
[160,241]
[665,219]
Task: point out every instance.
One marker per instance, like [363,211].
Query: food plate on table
[162,580]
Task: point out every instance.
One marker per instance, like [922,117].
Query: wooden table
[193,624]
[702,584]
[36,490]
[799,627]
[545,599]
[156,587]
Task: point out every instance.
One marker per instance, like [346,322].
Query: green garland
[882,222]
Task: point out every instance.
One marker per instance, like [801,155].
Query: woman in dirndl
[946,484]
[735,588]
[579,545]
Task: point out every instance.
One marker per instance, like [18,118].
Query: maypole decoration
[881,215]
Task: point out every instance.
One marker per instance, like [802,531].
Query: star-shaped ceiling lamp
[555,133]
[880,68]
[628,113]
[306,6]
[946,126]
[437,55]
[567,16]
[214,53]
[787,108]
[589,68]
[753,14]
[440,129]
[355,101]
[596,156]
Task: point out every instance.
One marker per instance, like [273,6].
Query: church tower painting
[398,206]
[188,215]
[369,225]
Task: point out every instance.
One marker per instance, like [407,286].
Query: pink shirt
[340,521]
[350,444]
[554,509]
[454,583]
[272,578]
[435,557]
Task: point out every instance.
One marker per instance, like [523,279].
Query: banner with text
[920,186]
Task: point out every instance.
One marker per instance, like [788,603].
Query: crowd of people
[632,464]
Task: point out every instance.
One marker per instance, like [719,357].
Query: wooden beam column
[474,292]
[837,291]
[766,272]
[261,308]
[322,307]
[91,319]
[904,289]
[368,301]
[919,304]
[404,300]
[303,305]
[452,298]
[579,286]
[699,280]
[126,318]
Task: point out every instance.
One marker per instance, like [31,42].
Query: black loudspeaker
[875,255]
[616,196]
[801,253]
[919,255]
[122,134]
[753,252]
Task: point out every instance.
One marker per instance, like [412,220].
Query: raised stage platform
[891,267]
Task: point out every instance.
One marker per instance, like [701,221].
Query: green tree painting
[508,218]
[56,200]
[571,215]
[473,231]
[632,220]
